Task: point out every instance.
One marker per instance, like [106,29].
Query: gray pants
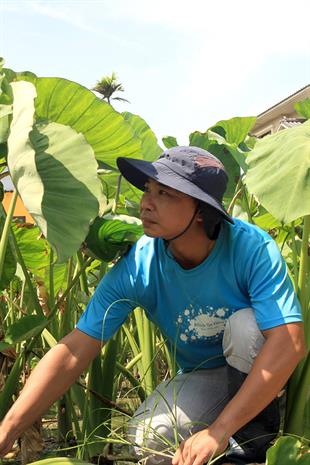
[190,402]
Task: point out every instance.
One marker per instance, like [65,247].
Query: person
[218,289]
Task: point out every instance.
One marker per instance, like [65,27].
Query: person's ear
[199,216]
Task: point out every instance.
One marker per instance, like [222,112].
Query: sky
[184,64]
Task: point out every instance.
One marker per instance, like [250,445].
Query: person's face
[164,211]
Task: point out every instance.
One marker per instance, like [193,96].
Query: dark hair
[212,220]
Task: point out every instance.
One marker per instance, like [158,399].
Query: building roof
[283,110]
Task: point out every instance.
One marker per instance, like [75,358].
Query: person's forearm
[269,373]
[54,374]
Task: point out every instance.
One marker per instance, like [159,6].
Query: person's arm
[283,349]
[53,375]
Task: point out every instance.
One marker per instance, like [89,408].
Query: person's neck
[191,251]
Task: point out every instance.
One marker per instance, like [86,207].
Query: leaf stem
[304,267]
[6,231]
[294,256]
[118,190]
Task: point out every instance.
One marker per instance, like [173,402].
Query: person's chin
[151,232]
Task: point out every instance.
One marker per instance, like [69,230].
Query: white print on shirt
[202,323]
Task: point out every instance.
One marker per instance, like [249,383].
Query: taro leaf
[233,133]
[169,142]
[59,188]
[6,100]
[60,461]
[25,328]
[36,251]
[202,140]
[266,222]
[127,192]
[3,154]
[9,267]
[288,450]
[71,124]
[68,103]
[303,108]
[235,129]
[150,148]
[279,173]
[112,236]
[5,112]
[150,151]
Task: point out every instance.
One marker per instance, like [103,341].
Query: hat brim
[137,172]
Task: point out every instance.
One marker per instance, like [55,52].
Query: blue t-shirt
[244,269]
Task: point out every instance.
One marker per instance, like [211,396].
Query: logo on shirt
[203,324]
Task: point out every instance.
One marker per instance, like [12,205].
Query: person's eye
[163,192]
[146,188]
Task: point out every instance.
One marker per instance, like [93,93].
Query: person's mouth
[147,221]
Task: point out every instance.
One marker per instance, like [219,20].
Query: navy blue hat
[190,170]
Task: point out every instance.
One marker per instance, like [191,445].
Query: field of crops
[59,143]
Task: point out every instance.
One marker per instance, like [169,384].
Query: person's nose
[147,202]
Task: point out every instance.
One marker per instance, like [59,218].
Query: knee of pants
[148,437]
[242,340]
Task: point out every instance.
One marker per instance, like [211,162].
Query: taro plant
[60,145]
[278,176]
[270,186]
[54,134]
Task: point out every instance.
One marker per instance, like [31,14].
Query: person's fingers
[189,453]
[178,456]
[200,460]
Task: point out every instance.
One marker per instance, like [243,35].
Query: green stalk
[10,386]
[51,280]
[69,288]
[145,336]
[135,383]
[294,256]
[297,419]
[6,232]
[83,278]
[247,205]
[304,268]
[33,294]
[117,193]
[149,367]
[63,404]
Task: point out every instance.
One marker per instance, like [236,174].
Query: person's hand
[6,442]
[200,447]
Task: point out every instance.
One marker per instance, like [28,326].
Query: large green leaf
[9,268]
[202,140]
[169,142]
[288,450]
[303,108]
[233,134]
[71,104]
[25,328]
[150,148]
[33,247]
[235,129]
[36,251]
[60,189]
[279,173]
[111,236]
[6,100]
[60,461]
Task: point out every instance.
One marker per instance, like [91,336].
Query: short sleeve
[270,288]
[110,305]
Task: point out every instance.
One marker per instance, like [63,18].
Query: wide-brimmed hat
[190,170]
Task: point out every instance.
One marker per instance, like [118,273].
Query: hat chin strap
[167,241]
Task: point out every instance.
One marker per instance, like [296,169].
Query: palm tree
[107,86]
